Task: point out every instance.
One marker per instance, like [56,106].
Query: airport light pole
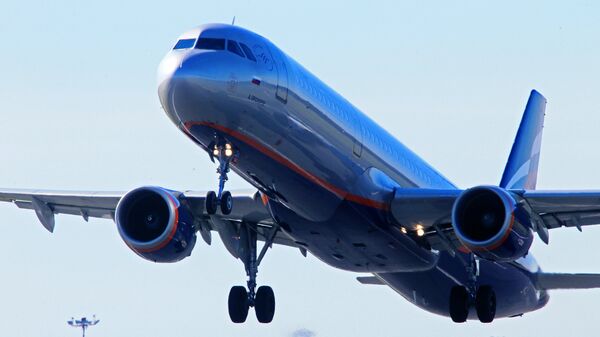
[83,323]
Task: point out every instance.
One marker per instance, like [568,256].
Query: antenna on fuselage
[233,21]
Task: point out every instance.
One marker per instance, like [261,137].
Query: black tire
[226,203]
[264,304]
[459,304]
[211,202]
[238,304]
[485,303]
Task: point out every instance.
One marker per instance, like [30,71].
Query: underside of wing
[248,208]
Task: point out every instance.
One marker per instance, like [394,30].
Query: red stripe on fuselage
[287,163]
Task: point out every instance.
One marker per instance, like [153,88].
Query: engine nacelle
[155,225]
[488,222]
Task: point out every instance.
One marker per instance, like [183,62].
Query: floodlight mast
[83,323]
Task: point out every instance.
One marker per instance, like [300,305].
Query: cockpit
[208,43]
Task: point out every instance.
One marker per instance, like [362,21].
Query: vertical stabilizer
[522,166]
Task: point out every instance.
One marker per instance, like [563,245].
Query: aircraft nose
[184,82]
[165,73]
[167,67]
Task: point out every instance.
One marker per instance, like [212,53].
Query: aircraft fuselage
[327,170]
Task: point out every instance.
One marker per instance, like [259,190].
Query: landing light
[420,230]
[228,152]
[215,152]
[403,230]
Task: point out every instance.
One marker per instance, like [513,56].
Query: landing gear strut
[224,153]
[263,298]
[463,297]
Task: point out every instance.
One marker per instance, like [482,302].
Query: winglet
[522,166]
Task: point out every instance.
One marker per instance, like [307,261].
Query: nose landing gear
[224,152]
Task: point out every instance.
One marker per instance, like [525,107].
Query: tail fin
[522,166]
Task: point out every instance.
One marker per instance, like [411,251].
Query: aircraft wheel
[459,304]
[238,304]
[226,203]
[211,202]
[485,303]
[264,304]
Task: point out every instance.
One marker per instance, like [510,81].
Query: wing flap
[85,212]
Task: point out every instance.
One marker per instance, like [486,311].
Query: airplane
[331,182]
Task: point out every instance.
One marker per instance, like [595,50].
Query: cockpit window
[210,43]
[233,47]
[184,44]
[248,52]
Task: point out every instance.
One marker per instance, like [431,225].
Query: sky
[79,111]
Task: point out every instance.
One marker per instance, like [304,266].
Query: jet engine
[488,221]
[155,225]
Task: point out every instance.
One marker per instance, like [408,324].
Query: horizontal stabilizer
[369,280]
[568,281]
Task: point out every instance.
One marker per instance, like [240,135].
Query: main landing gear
[263,298]
[224,153]
[463,297]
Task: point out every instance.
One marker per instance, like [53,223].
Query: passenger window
[233,47]
[248,52]
[210,44]
[184,44]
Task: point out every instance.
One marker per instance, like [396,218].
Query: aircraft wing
[46,203]
[248,208]
[432,209]
[565,208]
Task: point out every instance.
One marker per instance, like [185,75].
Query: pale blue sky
[449,79]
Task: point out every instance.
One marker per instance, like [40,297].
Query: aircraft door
[282,75]
[282,81]
[357,146]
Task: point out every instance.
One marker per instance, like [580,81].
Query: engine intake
[155,225]
[488,222]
